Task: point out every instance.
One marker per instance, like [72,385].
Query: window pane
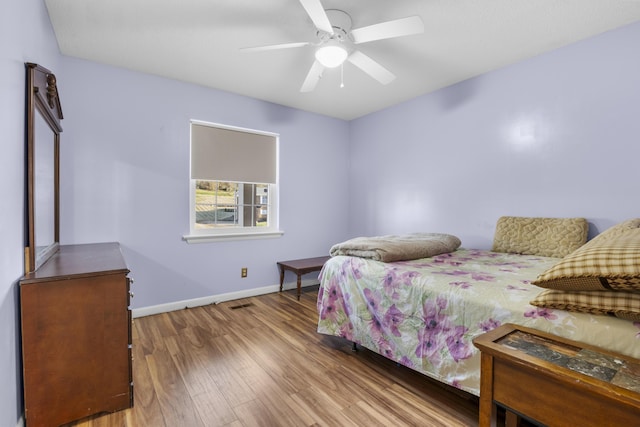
[262,216]
[248,216]
[226,216]
[261,202]
[216,204]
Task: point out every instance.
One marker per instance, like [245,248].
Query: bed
[424,313]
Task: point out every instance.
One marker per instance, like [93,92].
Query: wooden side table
[555,381]
[300,267]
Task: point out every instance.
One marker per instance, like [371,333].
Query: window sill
[207,238]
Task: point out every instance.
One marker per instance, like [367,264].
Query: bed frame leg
[354,347]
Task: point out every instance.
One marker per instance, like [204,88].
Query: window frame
[239,232]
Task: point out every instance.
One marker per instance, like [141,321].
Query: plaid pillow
[611,261]
[625,305]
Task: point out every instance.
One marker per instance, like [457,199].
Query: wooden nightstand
[555,381]
[300,267]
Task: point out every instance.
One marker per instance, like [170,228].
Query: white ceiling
[198,41]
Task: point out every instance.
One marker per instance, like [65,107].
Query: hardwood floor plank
[276,401]
[239,354]
[362,413]
[199,320]
[273,356]
[348,387]
[213,409]
[325,410]
[149,336]
[227,320]
[175,402]
[430,410]
[146,410]
[192,357]
[162,327]
[303,339]
[254,413]
[228,380]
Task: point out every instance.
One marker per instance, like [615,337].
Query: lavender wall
[552,136]
[556,135]
[125,177]
[25,36]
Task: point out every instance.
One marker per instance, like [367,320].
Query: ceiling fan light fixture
[331,54]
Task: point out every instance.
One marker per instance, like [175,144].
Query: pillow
[550,237]
[610,261]
[625,305]
[617,230]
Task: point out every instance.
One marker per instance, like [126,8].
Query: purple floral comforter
[424,313]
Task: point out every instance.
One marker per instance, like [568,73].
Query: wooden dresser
[76,335]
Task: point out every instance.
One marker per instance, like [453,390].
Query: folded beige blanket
[397,248]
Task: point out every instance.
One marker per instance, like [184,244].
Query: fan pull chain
[342,75]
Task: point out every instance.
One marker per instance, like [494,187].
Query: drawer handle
[131,294]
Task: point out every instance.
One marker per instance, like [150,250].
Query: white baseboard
[20,421]
[215,299]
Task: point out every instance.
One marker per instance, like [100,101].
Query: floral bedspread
[424,313]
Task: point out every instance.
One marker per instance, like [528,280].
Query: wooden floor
[260,362]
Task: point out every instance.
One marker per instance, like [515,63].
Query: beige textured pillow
[611,261]
[617,230]
[625,305]
[550,237]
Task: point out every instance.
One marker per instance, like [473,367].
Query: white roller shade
[226,154]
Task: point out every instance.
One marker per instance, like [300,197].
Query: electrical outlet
[243,272]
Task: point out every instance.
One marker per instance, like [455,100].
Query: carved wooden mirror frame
[42,166]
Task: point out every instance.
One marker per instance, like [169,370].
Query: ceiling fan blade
[371,67]
[313,77]
[274,47]
[389,29]
[316,12]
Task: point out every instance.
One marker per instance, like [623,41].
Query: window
[233,183]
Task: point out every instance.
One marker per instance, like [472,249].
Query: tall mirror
[43,147]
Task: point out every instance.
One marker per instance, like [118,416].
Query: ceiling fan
[336,40]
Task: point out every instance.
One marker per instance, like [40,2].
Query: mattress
[425,313]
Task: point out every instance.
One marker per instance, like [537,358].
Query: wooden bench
[301,267]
